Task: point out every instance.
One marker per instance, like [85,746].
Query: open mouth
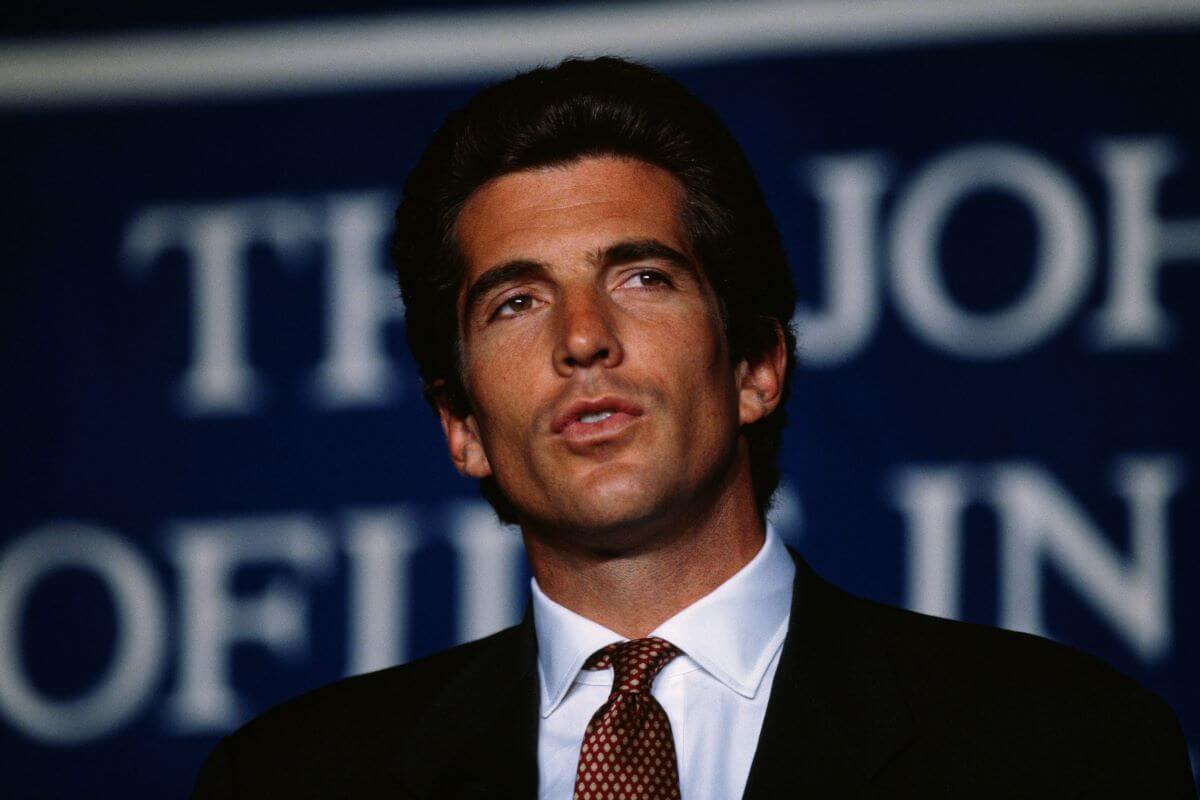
[595,418]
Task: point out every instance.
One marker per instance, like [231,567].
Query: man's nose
[587,335]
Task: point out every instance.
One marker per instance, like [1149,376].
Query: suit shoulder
[1049,703]
[931,649]
[398,692]
[974,674]
[339,734]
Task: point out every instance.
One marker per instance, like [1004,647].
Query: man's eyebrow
[644,250]
[509,272]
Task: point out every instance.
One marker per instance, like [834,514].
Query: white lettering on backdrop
[1041,523]
[849,190]
[141,638]
[212,618]
[216,242]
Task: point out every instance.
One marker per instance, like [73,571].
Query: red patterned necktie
[628,752]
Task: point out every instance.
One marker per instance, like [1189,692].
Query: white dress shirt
[715,694]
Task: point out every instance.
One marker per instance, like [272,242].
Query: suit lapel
[478,738]
[835,714]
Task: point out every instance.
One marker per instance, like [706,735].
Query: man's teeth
[597,417]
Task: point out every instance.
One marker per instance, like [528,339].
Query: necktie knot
[635,663]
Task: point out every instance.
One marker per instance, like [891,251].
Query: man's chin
[616,516]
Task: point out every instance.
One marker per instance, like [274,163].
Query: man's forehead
[585,205]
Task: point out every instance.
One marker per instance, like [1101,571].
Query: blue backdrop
[222,487]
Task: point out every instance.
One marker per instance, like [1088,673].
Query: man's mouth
[595,418]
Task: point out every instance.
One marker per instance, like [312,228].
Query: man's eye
[648,278]
[514,305]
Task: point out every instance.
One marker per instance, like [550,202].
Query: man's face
[600,381]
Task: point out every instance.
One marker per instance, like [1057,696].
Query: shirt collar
[732,633]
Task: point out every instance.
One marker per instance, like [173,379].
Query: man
[599,304]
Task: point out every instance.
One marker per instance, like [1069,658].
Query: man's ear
[462,437]
[760,380]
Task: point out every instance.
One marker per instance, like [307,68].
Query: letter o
[141,632]
[1062,266]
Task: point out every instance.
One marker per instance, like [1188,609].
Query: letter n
[1040,521]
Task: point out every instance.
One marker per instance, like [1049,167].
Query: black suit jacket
[868,701]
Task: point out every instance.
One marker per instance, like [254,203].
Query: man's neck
[634,590]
